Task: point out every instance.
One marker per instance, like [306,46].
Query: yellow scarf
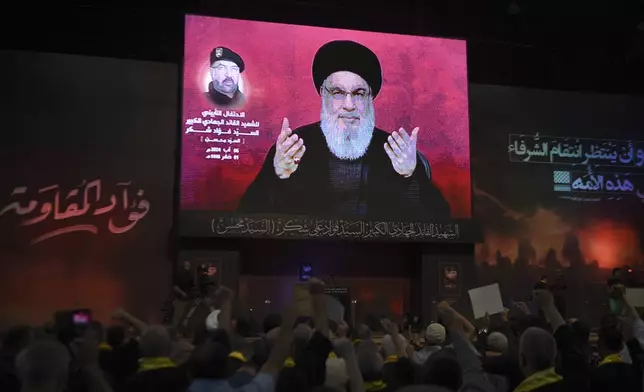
[146,364]
[391,358]
[539,380]
[104,347]
[238,355]
[371,386]
[356,341]
[612,358]
[290,362]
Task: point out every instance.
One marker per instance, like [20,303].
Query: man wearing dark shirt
[226,67]
[343,165]
[184,290]
[185,283]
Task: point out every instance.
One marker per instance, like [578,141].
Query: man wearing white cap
[434,339]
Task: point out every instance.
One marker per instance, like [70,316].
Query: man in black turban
[343,166]
[225,68]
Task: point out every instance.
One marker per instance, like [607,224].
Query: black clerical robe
[220,99]
[324,186]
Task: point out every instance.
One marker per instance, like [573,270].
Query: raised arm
[470,362]
[122,315]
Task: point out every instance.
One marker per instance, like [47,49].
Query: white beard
[351,142]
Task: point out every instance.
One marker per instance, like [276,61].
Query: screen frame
[204,224]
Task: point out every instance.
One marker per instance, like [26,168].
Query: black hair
[115,335]
[610,334]
[271,322]
[17,338]
[210,360]
[443,371]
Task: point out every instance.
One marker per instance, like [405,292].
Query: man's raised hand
[401,149]
[289,149]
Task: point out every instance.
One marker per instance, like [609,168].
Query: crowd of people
[540,352]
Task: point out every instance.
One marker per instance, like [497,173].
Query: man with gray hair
[157,372]
[43,366]
[371,365]
[344,165]
[537,353]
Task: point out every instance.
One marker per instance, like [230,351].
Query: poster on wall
[199,273]
[449,276]
[558,185]
[306,132]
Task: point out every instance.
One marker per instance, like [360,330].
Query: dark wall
[573,46]
[69,121]
[366,266]
[332,258]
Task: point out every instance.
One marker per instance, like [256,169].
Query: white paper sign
[635,297]
[335,310]
[486,299]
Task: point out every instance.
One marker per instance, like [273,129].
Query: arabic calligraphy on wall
[71,208]
[224,124]
[602,183]
[328,228]
[575,151]
[603,165]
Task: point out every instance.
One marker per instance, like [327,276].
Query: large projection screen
[299,132]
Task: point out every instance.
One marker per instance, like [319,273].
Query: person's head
[303,332]
[97,328]
[156,342]
[443,371]
[187,265]
[336,374]
[497,342]
[211,270]
[611,339]
[387,346]
[435,334]
[115,335]
[210,360]
[243,325]
[370,362]
[347,117]
[362,332]
[225,76]
[43,365]
[17,338]
[225,69]
[271,321]
[348,77]
[537,351]
[374,322]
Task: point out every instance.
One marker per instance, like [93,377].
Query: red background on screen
[424,85]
